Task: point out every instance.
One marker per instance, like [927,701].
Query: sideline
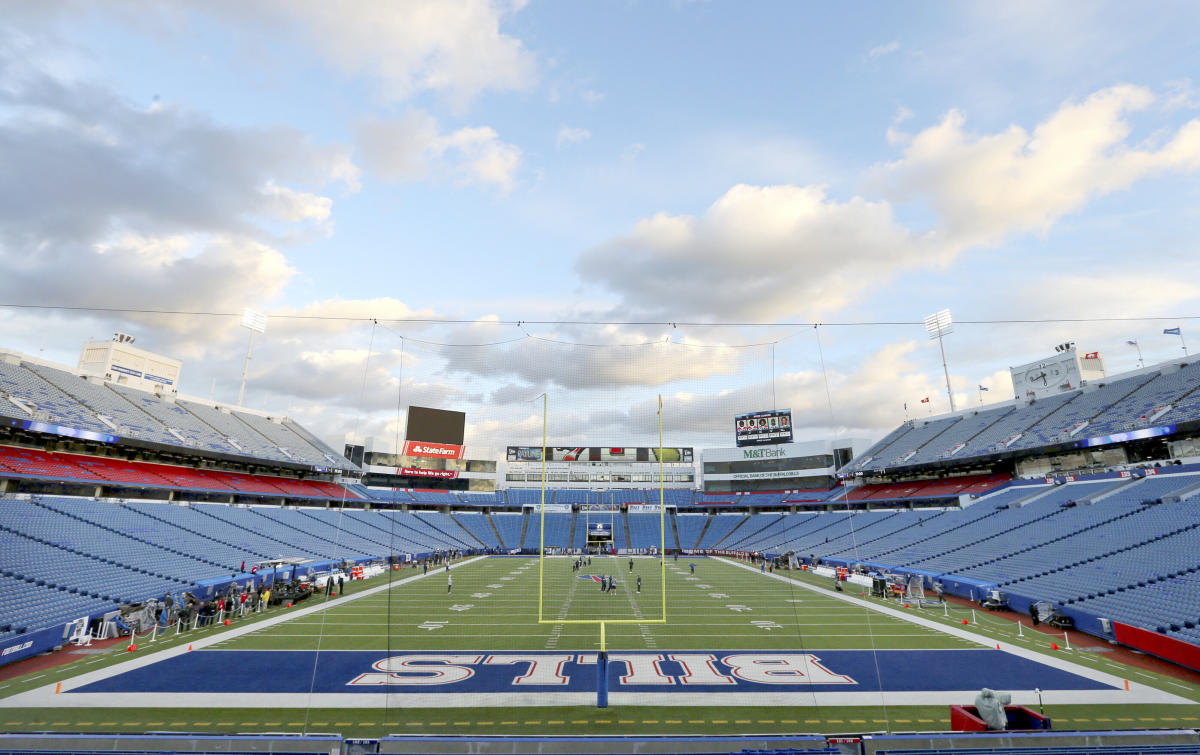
[1137,693]
[37,697]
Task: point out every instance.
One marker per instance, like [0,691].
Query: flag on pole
[1171,332]
[1092,355]
[982,388]
[925,400]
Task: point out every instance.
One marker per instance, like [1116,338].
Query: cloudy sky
[735,168]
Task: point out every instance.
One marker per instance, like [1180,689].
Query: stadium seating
[719,527]
[645,531]
[62,398]
[690,526]
[1169,394]
[479,527]
[509,527]
[76,467]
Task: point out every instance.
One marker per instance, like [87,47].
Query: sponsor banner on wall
[601,453]
[644,508]
[441,474]
[432,450]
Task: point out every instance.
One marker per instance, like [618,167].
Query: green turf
[714,611]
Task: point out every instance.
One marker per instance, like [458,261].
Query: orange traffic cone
[965,621]
[997,645]
[1054,646]
[132,647]
[189,648]
[289,605]
[906,605]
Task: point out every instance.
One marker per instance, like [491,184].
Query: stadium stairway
[673,542]
[761,522]
[767,535]
[704,530]
[495,530]
[476,526]
[721,527]
[508,526]
[625,526]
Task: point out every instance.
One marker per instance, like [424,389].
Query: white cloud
[985,187]
[571,135]
[881,50]
[894,135]
[295,206]
[412,148]
[758,252]
[454,49]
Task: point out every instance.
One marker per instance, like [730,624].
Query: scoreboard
[763,428]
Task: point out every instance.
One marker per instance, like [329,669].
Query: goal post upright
[662,516]
[542,514]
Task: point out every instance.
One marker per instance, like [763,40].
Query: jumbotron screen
[435,425]
[763,428]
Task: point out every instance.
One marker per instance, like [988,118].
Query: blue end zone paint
[289,671]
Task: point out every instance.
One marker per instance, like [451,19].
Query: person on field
[449,583]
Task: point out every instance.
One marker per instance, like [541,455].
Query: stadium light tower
[255,322]
[937,325]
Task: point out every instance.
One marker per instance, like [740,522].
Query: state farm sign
[432,450]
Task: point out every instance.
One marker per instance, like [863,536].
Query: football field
[462,651]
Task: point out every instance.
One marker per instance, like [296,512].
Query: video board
[435,426]
[763,428]
[600,453]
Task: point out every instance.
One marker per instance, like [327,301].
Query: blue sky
[699,162]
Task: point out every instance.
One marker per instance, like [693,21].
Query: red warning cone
[226,622]
[189,648]
[1054,646]
[966,622]
[132,647]
[289,605]
[906,605]
[997,645]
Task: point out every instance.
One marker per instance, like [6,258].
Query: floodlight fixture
[938,325]
[255,322]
